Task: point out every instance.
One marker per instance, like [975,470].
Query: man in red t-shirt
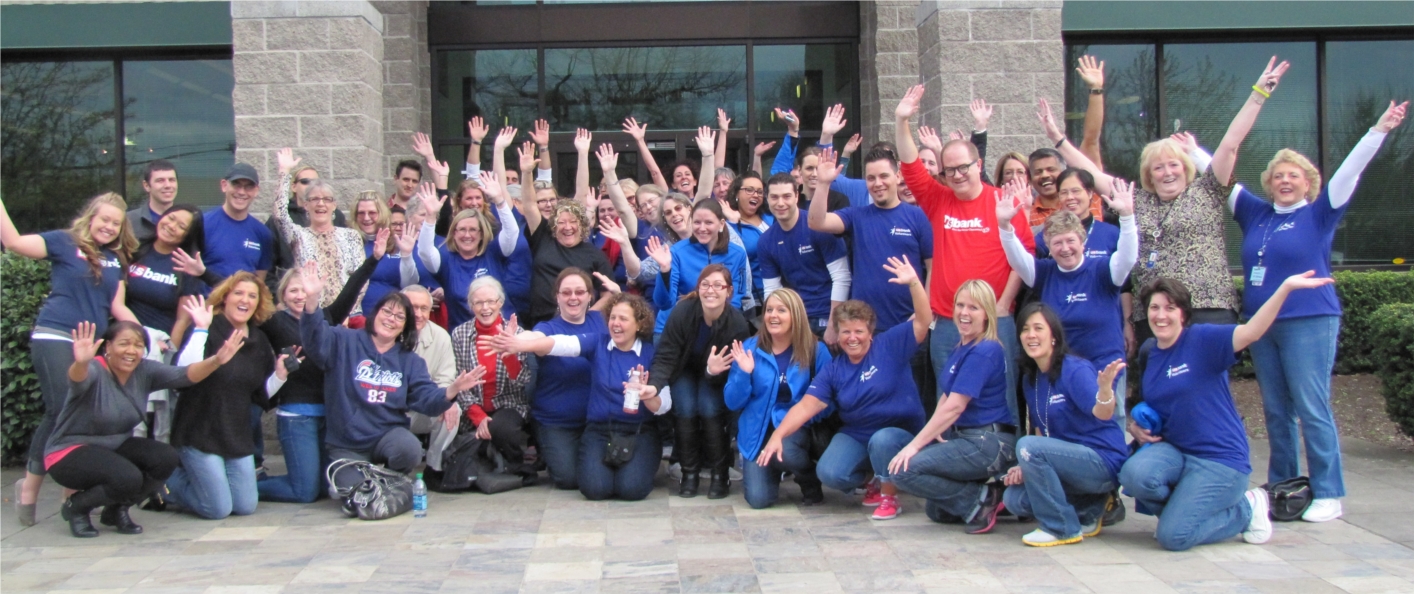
[966,243]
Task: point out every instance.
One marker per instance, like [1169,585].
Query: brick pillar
[888,63]
[1009,53]
[309,76]
[407,82]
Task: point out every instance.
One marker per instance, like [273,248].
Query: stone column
[407,82]
[888,64]
[309,76]
[1007,52]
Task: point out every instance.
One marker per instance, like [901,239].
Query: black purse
[1289,498]
[620,448]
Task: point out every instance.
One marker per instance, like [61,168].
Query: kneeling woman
[972,418]
[561,403]
[769,375]
[1193,473]
[372,377]
[92,449]
[1069,465]
[614,411]
[872,388]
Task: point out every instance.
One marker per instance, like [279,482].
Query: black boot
[811,491]
[117,517]
[75,511]
[716,456]
[689,452]
[721,486]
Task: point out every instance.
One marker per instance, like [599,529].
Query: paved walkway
[540,540]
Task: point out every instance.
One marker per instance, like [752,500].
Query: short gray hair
[482,283]
[417,289]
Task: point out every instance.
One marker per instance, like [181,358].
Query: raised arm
[498,154]
[785,158]
[541,136]
[1014,197]
[286,161]
[582,195]
[1253,330]
[819,218]
[757,153]
[422,146]
[906,275]
[609,164]
[724,125]
[510,231]
[903,131]
[30,246]
[477,129]
[1225,157]
[637,131]
[1127,252]
[1342,184]
[1072,155]
[834,122]
[1093,73]
[706,143]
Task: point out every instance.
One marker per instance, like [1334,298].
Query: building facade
[92,92]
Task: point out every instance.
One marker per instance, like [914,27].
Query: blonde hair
[481,221]
[981,292]
[576,209]
[629,186]
[294,177]
[1060,223]
[1001,165]
[263,310]
[801,338]
[289,277]
[653,189]
[81,232]
[1312,174]
[384,215]
[1166,147]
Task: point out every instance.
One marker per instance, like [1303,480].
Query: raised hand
[1110,372]
[706,140]
[614,231]
[541,134]
[1092,72]
[422,146]
[582,140]
[744,359]
[406,242]
[380,242]
[231,347]
[527,155]
[608,159]
[1014,195]
[763,147]
[439,169]
[723,122]
[608,283]
[834,120]
[1185,140]
[1272,75]
[829,167]
[1048,121]
[431,202]
[313,282]
[852,145]
[903,272]
[466,381]
[490,187]
[286,160]
[1305,280]
[789,117]
[659,252]
[908,105]
[956,134]
[477,129]
[505,137]
[196,307]
[1392,117]
[718,362]
[981,114]
[188,264]
[928,137]
[85,348]
[1121,198]
[634,129]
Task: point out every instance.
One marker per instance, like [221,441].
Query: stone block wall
[888,63]
[407,81]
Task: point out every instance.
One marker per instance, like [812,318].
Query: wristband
[1260,91]
[195,330]
[476,142]
[1099,91]
[1060,142]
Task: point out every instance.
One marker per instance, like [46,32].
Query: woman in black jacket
[702,326]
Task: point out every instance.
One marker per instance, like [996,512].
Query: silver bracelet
[1106,402]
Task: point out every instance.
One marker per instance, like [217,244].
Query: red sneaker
[872,496]
[888,508]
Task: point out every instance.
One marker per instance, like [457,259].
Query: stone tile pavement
[541,540]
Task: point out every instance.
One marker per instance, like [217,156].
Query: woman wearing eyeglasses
[748,197]
[496,411]
[338,251]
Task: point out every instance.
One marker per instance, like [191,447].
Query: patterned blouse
[510,391]
[337,253]
[1183,239]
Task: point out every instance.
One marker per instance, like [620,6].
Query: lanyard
[1267,233]
[1045,412]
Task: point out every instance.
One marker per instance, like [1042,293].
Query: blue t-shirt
[1187,385]
[1101,240]
[1065,411]
[878,391]
[1087,301]
[74,295]
[155,288]
[232,246]
[609,368]
[880,234]
[640,247]
[562,390]
[387,277]
[456,274]
[1295,242]
[978,371]
[751,237]
[799,258]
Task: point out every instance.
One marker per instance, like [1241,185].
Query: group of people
[852,334]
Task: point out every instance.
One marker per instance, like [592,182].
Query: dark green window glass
[498,85]
[668,88]
[179,111]
[807,79]
[1131,104]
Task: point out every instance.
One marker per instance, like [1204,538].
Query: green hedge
[1392,335]
[25,284]
[1361,294]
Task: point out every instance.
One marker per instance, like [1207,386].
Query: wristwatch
[1099,91]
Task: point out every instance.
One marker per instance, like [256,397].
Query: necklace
[1046,412]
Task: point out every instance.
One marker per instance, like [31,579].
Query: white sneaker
[1322,510]
[1041,538]
[1259,530]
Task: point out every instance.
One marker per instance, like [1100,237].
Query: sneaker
[872,496]
[1259,530]
[1092,529]
[1322,510]
[887,508]
[1041,538]
[1114,510]
[984,518]
[675,471]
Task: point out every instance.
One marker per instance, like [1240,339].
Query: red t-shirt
[966,242]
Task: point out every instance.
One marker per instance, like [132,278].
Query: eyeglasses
[319,199]
[393,313]
[716,287]
[753,191]
[484,303]
[546,201]
[951,171]
[569,293]
[304,181]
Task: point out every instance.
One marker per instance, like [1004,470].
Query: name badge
[1153,259]
[1258,274]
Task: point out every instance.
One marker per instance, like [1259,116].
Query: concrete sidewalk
[541,540]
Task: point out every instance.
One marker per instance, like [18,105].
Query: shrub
[23,286]
[1361,293]
[1392,335]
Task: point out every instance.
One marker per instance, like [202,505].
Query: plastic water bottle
[632,391]
[419,498]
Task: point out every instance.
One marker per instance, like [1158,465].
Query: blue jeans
[762,484]
[1197,501]
[213,487]
[559,448]
[695,397]
[1293,362]
[630,482]
[1059,477]
[951,474]
[847,464]
[302,439]
[942,341]
[257,433]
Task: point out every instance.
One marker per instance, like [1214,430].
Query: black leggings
[122,476]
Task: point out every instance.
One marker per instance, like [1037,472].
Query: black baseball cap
[242,171]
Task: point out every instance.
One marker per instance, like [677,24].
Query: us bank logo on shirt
[1287,226]
[951,223]
[805,249]
[901,232]
[106,263]
[143,272]
[868,373]
[1057,399]
[251,244]
[1174,372]
[1097,253]
[1076,298]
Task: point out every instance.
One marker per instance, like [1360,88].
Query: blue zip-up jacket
[755,395]
[366,393]
[689,258]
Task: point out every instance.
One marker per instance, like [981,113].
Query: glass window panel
[667,88]
[1361,79]
[498,85]
[806,78]
[1206,83]
[179,111]
[1131,104]
[57,145]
